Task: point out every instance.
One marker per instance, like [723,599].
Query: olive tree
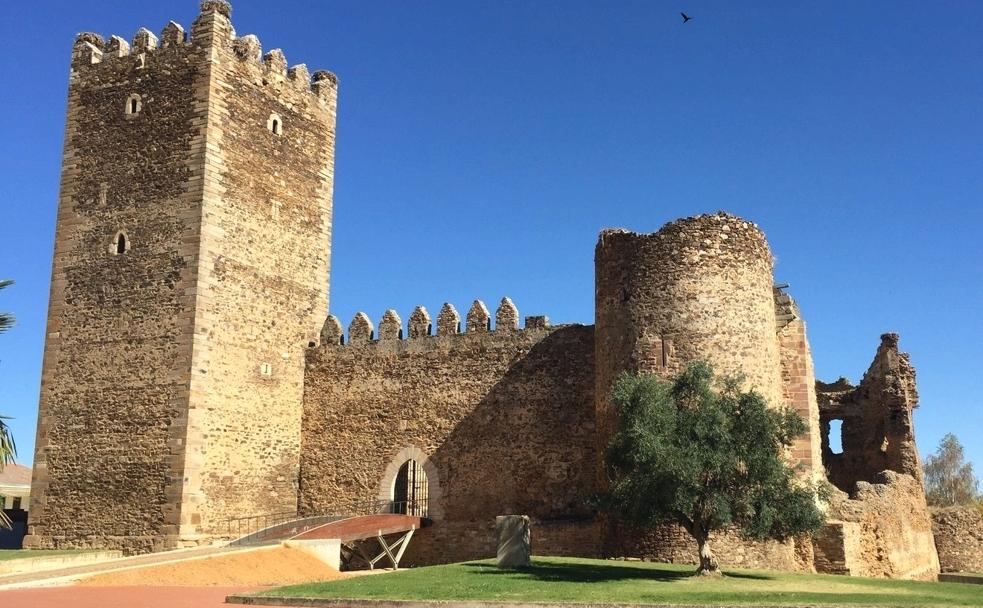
[701,452]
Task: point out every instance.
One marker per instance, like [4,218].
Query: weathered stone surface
[144,40]
[837,548]
[514,542]
[877,429]
[895,527]
[448,321]
[479,319]
[507,316]
[391,326]
[958,538]
[332,332]
[276,61]
[360,329]
[537,322]
[172,35]
[248,47]
[419,324]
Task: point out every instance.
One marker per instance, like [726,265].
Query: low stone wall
[672,544]
[959,538]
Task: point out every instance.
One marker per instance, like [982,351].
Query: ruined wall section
[958,538]
[699,288]
[878,471]
[262,292]
[114,387]
[877,429]
[893,537]
[501,420]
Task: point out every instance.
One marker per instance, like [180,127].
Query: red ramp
[362,527]
[352,529]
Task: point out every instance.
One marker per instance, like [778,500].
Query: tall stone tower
[190,271]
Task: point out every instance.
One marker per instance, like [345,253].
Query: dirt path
[257,568]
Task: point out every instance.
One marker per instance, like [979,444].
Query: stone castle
[192,375]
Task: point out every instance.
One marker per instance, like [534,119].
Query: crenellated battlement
[361,331]
[211,29]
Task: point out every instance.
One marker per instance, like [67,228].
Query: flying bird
[685,17]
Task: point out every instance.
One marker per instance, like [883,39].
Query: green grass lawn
[9,554]
[553,579]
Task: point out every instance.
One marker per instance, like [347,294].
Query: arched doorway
[411,485]
[411,489]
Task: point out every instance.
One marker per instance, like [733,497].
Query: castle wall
[118,345]
[958,538]
[504,420]
[173,370]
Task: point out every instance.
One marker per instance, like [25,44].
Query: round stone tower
[699,288]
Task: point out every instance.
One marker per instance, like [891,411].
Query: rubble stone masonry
[959,538]
[190,272]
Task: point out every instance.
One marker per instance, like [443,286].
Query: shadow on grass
[593,573]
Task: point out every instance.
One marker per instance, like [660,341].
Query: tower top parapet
[212,28]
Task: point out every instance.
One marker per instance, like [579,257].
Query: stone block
[514,546]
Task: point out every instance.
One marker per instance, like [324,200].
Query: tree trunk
[708,563]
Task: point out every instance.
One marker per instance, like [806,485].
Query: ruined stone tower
[190,272]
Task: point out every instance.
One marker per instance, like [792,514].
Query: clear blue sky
[482,146]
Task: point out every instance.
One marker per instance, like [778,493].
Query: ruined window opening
[275,124]
[133,105]
[835,437]
[410,490]
[17,503]
[120,244]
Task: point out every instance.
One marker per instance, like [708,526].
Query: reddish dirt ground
[120,597]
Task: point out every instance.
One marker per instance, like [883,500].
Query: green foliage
[702,453]
[949,479]
[6,319]
[8,449]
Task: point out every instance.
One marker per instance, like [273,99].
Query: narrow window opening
[275,124]
[835,437]
[133,105]
[121,244]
